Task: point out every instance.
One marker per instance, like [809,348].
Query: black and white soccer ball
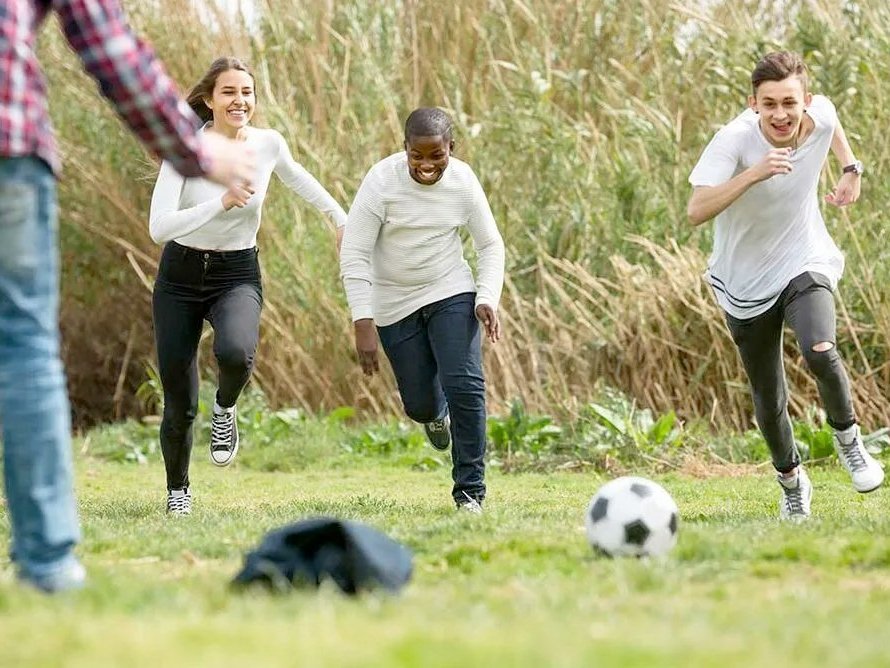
[632,516]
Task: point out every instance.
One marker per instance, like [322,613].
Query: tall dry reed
[583,119]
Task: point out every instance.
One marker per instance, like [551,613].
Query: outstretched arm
[848,186]
[298,179]
[133,79]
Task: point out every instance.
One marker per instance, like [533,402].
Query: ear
[752,104]
[451,146]
[807,100]
[208,102]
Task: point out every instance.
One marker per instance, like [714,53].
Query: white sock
[219,410]
[846,436]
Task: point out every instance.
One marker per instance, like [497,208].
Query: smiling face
[781,105]
[427,158]
[233,101]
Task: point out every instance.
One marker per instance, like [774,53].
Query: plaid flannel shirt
[125,68]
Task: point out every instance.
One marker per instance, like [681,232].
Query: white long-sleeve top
[402,248]
[190,210]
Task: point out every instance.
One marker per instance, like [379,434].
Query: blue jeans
[33,396]
[436,356]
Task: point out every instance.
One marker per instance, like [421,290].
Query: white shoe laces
[794,499]
[221,426]
[180,504]
[437,425]
[854,456]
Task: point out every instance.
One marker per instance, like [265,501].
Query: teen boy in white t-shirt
[774,262]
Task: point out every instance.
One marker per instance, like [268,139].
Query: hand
[488,316]
[340,232]
[366,346]
[846,191]
[776,161]
[231,162]
[237,195]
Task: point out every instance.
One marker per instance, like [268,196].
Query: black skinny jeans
[224,288]
[807,306]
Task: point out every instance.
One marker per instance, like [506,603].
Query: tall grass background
[582,118]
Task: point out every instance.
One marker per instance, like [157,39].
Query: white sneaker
[469,505]
[223,436]
[797,495]
[68,578]
[179,501]
[864,469]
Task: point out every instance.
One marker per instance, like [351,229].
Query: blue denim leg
[456,343]
[33,397]
[436,356]
[407,347]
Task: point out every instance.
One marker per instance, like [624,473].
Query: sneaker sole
[871,489]
[230,459]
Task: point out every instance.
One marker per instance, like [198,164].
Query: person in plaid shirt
[33,398]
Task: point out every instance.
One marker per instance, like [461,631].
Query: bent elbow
[695,215]
[156,234]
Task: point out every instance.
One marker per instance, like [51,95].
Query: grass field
[516,587]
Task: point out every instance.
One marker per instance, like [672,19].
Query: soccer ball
[632,516]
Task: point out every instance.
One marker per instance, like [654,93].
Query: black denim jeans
[436,356]
[807,306]
[224,288]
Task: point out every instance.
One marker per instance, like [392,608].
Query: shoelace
[472,505]
[437,425]
[853,456]
[794,500]
[221,431]
[178,504]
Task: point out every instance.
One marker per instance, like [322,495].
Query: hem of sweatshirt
[414,305]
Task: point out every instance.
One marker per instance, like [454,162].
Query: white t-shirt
[775,230]
[190,210]
[402,248]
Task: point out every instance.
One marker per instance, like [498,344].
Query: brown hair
[777,66]
[203,90]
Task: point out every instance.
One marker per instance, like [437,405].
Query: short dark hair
[203,90]
[429,122]
[777,66]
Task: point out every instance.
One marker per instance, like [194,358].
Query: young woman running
[209,270]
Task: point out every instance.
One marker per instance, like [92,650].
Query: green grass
[516,587]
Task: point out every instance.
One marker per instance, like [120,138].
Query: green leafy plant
[522,432]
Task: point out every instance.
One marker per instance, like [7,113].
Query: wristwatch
[854,168]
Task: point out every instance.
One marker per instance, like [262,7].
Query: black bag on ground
[353,555]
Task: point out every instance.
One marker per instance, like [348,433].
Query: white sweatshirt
[190,210]
[402,248]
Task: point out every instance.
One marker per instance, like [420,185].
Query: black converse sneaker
[179,501]
[223,437]
[438,432]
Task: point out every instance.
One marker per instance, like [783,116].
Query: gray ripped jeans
[807,306]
